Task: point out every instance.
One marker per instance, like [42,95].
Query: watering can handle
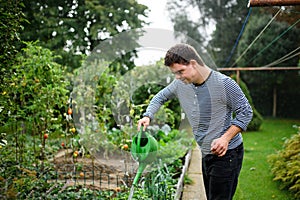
[144,122]
[142,128]
[140,135]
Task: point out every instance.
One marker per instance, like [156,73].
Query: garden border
[179,187]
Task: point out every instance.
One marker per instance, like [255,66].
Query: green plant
[34,96]
[174,145]
[92,105]
[160,183]
[286,164]
[12,20]
[257,118]
[258,146]
[188,180]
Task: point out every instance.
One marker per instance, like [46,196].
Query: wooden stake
[274,101]
[257,3]
[238,76]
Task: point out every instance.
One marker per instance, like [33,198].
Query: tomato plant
[35,95]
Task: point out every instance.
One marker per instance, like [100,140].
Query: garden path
[194,191]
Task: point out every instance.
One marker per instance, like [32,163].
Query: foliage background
[285,164]
[279,39]
[35,83]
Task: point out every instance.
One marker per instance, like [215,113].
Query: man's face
[183,72]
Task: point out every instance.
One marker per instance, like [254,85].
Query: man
[209,100]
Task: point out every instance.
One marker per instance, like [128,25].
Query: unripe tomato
[125,146]
[70,111]
[75,154]
[73,130]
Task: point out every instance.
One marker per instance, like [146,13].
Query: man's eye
[178,73]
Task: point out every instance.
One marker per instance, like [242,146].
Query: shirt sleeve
[160,98]
[237,100]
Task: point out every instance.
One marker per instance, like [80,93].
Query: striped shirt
[209,108]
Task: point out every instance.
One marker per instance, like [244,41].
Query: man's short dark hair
[182,54]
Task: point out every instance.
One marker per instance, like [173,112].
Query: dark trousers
[220,174]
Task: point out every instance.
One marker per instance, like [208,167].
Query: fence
[86,175]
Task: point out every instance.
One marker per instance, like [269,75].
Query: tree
[290,14]
[75,28]
[277,41]
[183,24]
[11,17]
[228,17]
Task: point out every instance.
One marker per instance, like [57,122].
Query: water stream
[131,192]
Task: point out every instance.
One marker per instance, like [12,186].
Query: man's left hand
[219,146]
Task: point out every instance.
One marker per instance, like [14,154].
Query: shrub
[285,165]
[257,119]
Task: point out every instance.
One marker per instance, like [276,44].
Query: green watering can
[143,149]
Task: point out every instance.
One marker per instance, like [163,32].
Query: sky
[158,15]
[158,19]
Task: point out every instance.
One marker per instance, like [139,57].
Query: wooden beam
[258,3]
[257,68]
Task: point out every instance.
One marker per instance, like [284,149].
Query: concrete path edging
[196,190]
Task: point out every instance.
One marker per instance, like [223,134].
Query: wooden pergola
[257,3]
[238,69]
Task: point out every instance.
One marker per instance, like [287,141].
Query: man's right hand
[145,121]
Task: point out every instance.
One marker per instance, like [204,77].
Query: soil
[103,172]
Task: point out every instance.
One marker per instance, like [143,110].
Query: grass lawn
[255,182]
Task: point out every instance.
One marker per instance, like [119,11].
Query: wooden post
[274,101]
[257,3]
[238,76]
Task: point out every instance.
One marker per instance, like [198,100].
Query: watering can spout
[143,149]
[139,173]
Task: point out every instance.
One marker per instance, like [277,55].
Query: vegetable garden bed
[86,177]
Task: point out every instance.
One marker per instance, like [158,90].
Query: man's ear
[195,63]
